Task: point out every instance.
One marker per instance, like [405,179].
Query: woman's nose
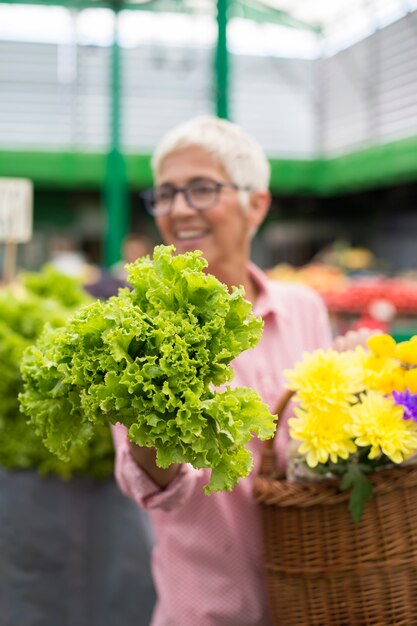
[180,204]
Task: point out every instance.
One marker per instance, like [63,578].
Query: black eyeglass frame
[148,196]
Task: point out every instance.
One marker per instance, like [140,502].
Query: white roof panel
[343,22]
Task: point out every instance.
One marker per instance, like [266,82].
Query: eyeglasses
[199,195]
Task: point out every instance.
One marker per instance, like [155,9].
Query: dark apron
[73,553]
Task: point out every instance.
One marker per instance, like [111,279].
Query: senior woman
[211,193]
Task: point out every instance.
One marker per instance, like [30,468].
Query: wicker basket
[322,569]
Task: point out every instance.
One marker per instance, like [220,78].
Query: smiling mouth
[185,235]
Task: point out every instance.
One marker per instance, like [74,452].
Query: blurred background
[329,88]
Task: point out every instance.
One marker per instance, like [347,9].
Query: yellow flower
[397,382]
[323,435]
[345,401]
[327,379]
[410,380]
[380,373]
[382,345]
[378,422]
[406,351]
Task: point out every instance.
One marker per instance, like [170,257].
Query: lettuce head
[38,299]
[153,358]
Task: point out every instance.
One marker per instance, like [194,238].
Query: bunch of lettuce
[40,298]
[151,358]
[51,284]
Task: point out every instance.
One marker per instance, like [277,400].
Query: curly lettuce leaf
[52,284]
[150,358]
[25,308]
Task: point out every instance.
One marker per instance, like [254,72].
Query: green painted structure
[115,185]
[222,61]
[375,167]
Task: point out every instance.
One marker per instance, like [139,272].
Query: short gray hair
[242,158]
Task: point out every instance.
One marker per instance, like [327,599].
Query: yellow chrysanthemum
[378,422]
[397,381]
[382,345]
[323,435]
[410,380]
[327,379]
[380,373]
[406,351]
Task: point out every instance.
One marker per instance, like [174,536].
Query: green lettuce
[151,358]
[40,298]
[52,284]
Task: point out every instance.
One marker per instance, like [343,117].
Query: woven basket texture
[323,569]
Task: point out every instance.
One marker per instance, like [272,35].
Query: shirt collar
[268,300]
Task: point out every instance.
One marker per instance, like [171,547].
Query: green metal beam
[257,11]
[72,170]
[115,188]
[375,167]
[222,61]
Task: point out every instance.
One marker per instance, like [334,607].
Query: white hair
[241,157]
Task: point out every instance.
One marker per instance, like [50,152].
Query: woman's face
[222,232]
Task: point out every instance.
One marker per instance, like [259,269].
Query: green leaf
[356,479]
[44,299]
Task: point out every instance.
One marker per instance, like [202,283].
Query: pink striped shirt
[207,562]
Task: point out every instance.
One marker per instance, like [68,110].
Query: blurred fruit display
[356,296]
[360,298]
[323,278]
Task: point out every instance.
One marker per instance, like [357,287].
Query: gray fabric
[72,553]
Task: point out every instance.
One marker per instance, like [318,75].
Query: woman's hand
[353,338]
[146,459]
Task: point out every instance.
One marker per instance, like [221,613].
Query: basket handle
[269,458]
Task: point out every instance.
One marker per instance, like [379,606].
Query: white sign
[16,209]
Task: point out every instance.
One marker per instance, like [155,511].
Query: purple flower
[408,401]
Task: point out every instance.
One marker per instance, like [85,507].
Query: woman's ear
[259,204]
